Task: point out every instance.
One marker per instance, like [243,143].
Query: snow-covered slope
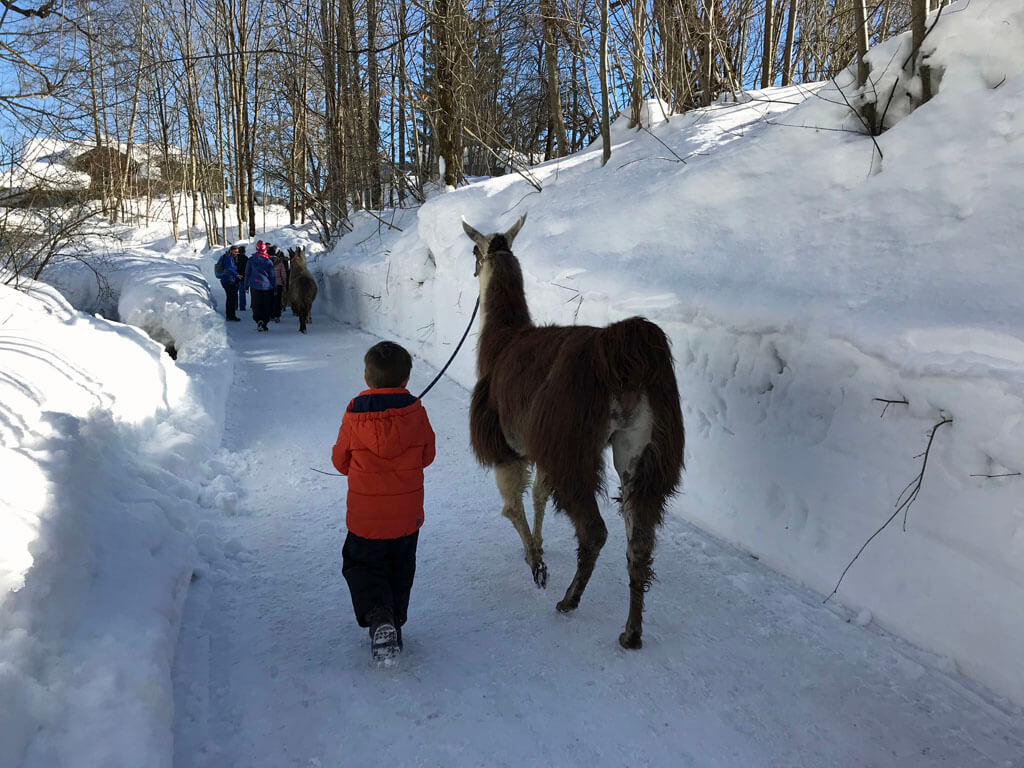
[107,481]
[800,277]
[101,437]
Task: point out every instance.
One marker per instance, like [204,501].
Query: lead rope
[436,378]
[457,348]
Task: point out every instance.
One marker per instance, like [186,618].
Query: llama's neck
[502,300]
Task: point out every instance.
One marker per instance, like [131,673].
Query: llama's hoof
[540,575]
[631,641]
[566,605]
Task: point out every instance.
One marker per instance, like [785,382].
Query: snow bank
[800,278]
[101,435]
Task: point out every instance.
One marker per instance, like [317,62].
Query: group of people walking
[263,276]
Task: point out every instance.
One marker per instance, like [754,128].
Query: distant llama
[556,396]
[301,288]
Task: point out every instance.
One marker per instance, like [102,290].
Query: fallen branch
[385,223]
[524,173]
[867,126]
[902,505]
[888,403]
[666,146]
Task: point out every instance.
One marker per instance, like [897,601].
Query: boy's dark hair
[387,365]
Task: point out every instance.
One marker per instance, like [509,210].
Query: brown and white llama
[302,288]
[556,396]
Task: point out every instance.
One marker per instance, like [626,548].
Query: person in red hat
[384,442]
[262,285]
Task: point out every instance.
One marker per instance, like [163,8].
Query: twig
[385,223]
[650,157]
[537,192]
[579,304]
[860,117]
[525,174]
[666,146]
[813,127]
[1007,474]
[332,474]
[888,403]
[902,506]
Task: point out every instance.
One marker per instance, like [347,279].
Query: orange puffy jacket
[383,445]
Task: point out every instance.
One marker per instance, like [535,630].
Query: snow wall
[106,461]
[800,277]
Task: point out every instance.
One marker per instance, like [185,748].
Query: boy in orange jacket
[383,445]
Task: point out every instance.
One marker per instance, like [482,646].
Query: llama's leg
[512,478]
[641,517]
[541,494]
[642,509]
[590,537]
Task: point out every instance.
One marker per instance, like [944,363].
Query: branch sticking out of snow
[903,503]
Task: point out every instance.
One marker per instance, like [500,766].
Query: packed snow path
[740,667]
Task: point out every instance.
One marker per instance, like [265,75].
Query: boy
[383,445]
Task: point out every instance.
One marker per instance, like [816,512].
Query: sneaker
[235,319]
[384,638]
[384,644]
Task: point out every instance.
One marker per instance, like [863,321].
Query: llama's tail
[637,358]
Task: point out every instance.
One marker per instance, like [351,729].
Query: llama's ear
[511,234]
[475,236]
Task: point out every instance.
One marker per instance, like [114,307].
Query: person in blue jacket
[262,285]
[227,273]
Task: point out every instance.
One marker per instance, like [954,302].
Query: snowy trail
[740,666]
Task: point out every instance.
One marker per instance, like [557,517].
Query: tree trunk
[447,117]
[919,16]
[768,49]
[548,13]
[606,132]
[787,56]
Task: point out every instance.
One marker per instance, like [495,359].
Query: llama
[556,396]
[301,288]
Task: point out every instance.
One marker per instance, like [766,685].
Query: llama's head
[296,257]
[486,246]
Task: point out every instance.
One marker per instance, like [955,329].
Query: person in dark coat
[229,282]
[262,285]
[281,274]
[241,261]
[384,442]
